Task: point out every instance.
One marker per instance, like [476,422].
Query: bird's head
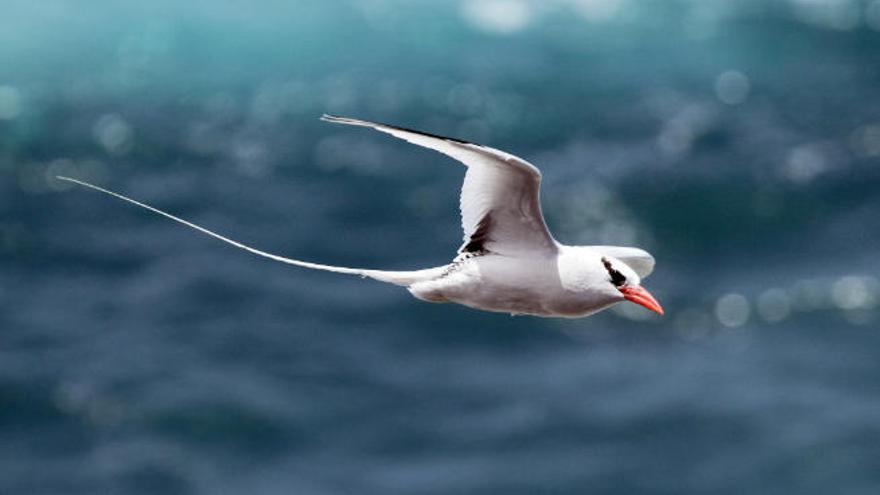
[624,283]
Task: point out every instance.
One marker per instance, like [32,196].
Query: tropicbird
[509,262]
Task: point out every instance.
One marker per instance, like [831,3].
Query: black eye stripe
[617,278]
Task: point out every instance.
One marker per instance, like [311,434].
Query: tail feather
[403,278]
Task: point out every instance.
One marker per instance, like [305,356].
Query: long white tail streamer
[394,277]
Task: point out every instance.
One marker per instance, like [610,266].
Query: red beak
[641,297]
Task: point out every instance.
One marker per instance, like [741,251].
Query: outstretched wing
[500,198]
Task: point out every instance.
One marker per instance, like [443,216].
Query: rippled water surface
[738,141]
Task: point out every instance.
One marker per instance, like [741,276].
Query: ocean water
[737,140]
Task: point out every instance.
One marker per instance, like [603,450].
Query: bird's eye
[617,278]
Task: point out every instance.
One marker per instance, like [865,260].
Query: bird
[508,262]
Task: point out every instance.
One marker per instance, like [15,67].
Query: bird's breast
[511,285]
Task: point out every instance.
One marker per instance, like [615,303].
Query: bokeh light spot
[732,310]
[498,16]
[597,10]
[773,305]
[853,292]
[680,131]
[865,140]
[113,134]
[10,103]
[872,15]
[804,163]
[732,87]
[842,15]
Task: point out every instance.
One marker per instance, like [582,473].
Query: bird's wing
[500,203]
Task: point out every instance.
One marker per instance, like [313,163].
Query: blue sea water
[737,140]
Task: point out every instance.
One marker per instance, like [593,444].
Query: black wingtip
[337,119]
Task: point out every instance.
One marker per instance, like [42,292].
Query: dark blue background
[738,141]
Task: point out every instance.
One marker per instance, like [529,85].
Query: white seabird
[509,262]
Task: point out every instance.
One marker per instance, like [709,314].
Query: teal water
[738,141]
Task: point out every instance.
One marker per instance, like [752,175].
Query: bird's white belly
[509,285]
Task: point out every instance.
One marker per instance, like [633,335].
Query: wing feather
[501,192]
